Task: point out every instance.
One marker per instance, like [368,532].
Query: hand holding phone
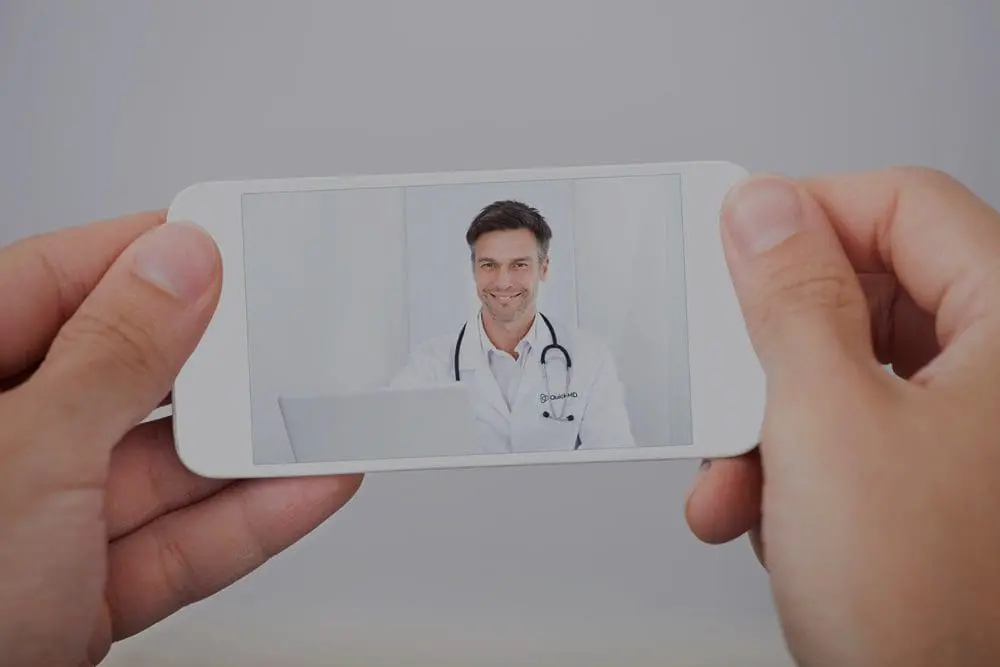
[104,531]
[878,518]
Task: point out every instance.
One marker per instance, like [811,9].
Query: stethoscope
[554,345]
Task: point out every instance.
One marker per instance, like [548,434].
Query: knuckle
[131,344]
[974,299]
[69,288]
[926,176]
[791,294]
[255,544]
[177,572]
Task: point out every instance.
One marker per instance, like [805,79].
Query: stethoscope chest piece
[549,396]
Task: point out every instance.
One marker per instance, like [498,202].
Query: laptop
[388,423]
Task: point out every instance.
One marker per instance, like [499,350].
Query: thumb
[117,356]
[805,310]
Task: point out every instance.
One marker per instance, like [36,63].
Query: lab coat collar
[476,344]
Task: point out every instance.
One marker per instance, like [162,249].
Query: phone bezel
[211,395]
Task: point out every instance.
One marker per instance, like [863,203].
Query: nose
[504,277]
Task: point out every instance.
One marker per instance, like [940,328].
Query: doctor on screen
[536,385]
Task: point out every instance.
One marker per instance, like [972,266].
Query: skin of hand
[104,531]
[872,498]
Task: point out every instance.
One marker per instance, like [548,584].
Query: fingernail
[762,212]
[177,257]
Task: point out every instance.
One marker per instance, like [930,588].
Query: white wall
[117,105]
[633,295]
[326,312]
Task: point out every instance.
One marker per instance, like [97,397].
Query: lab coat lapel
[472,361]
[526,398]
[532,382]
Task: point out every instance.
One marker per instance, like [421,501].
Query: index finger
[940,240]
[45,278]
[194,552]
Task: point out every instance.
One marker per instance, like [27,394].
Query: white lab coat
[600,417]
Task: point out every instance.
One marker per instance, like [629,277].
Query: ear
[545,268]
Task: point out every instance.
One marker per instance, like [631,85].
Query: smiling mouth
[505,298]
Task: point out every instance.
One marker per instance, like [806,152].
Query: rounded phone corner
[739,451]
[723,453]
[189,200]
[196,466]
[734,169]
[734,172]
[180,199]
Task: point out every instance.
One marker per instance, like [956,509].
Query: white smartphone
[467,319]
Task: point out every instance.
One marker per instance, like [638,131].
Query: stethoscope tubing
[554,345]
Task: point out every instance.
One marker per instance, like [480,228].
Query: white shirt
[510,396]
[507,370]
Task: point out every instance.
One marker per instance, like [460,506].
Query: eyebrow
[516,259]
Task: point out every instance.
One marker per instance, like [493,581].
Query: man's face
[507,272]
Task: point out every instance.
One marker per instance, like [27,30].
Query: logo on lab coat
[544,398]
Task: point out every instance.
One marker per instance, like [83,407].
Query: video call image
[465,319]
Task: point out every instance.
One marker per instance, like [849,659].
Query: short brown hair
[510,214]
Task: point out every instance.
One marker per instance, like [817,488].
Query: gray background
[109,107]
